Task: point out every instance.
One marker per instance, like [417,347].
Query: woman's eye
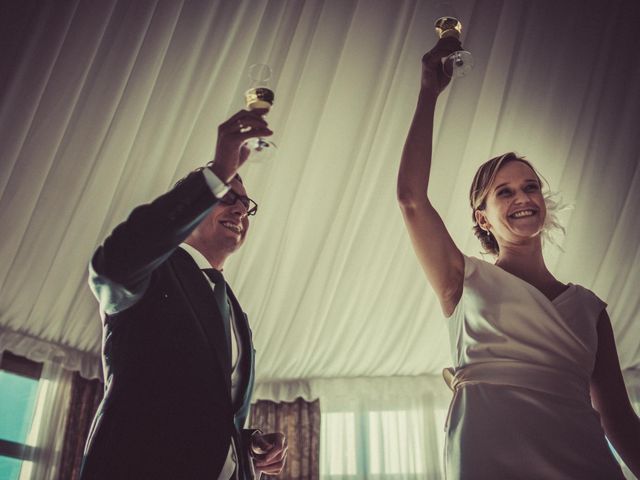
[532,187]
[503,192]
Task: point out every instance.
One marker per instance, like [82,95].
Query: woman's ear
[481,219]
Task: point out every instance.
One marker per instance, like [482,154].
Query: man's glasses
[232,197]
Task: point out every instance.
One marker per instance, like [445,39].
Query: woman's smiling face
[514,207]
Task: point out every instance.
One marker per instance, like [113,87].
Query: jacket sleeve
[120,269]
[246,434]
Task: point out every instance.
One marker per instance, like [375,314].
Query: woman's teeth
[523,213]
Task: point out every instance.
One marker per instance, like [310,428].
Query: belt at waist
[517,374]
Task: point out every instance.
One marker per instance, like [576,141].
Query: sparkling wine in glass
[261,96]
[459,63]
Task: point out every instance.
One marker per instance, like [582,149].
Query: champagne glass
[261,96]
[459,63]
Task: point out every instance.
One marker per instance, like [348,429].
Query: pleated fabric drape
[84,399]
[103,105]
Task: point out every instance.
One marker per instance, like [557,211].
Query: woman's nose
[521,197]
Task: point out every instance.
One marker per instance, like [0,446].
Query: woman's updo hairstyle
[482,181]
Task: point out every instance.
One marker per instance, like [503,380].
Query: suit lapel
[207,315]
[244,332]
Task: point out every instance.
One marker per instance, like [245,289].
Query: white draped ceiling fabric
[105,104]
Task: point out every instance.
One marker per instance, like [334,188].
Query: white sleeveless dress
[521,407]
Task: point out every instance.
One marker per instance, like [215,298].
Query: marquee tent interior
[104,105]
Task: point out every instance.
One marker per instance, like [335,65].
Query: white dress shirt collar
[200,259]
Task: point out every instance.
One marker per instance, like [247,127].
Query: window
[382,444]
[392,444]
[19,380]
[338,445]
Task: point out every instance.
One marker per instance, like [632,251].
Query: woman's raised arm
[440,258]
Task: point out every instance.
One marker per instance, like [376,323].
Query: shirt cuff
[217,186]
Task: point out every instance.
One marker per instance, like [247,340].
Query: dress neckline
[569,286]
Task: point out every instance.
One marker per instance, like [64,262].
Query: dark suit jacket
[167,411]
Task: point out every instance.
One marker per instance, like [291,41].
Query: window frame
[25,368]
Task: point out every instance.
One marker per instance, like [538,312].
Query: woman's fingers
[433,75]
[244,121]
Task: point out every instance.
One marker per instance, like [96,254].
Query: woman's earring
[488,233]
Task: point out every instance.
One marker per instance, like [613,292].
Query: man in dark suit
[177,351]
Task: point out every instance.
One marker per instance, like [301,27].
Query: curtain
[300,422]
[384,428]
[402,441]
[86,396]
[105,104]
[49,420]
[38,350]
[374,427]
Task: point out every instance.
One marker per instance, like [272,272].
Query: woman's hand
[434,80]
[230,151]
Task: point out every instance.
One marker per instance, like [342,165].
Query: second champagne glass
[261,96]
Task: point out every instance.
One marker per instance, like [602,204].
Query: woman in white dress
[537,381]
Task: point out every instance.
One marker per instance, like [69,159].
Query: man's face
[227,225]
